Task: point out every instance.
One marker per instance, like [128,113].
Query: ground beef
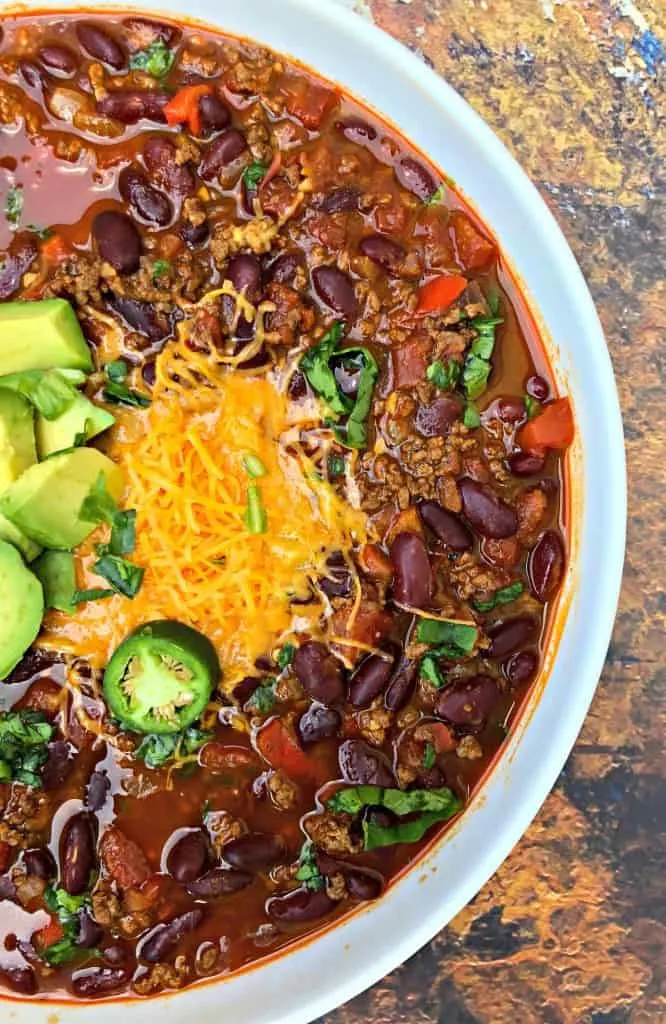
[283,792]
[336,888]
[24,814]
[531,507]
[222,828]
[128,913]
[163,976]
[250,70]
[292,315]
[469,749]
[374,724]
[256,235]
[468,578]
[332,833]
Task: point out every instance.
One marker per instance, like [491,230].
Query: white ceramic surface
[325,972]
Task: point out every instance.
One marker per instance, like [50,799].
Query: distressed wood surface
[571,930]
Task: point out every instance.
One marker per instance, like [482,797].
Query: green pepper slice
[161,677]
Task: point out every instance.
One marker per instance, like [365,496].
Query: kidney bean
[486,513]
[537,387]
[413,581]
[144,31]
[402,685]
[415,178]
[90,933]
[99,44]
[388,253]
[338,580]
[362,765]
[7,888]
[510,634]
[146,201]
[188,857]
[356,130]
[163,940]
[254,851]
[221,152]
[319,672]
[526,463]
[369,680]
[521,667]
[32,74]
[118,240]
[118,954]
[40,862]
[159,156]
[336,290]
[96,982]
[468,702]
[318,723]
[244,272]
[219,882]
[130,105]
[20,979]
[59,59]
[194,234]
[435,420]
[362,885]
[446,526]
[141,316]
[57,766]
[510,410]
[97,791]
[148,372]
[283,269]
[213,114]
[77,853]
[14,264]
[299,906]
[341,200]
[297,387]
[158,152]
[545,565]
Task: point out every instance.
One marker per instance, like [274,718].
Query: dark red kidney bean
[338,580]
[159,156]
[141,316]
[415,178]
[319,672]
[158,152]
[14,264]
[194,234]
[148,372]
[77,853]
[362,765]
[485,512]
[97,790]
[545,565]
[118,240]
[435,420]
[402,684]
[244,272]
[468,702]
[388,253]
[219,882]
[33,663]
[164,940]
[188,857]
[510,410]
[297,387]
[341,200]
[57,766]
[370,679]
[507,636]
[526,463]
[213,114]
[99,44]
[144,31]
[356,130]
[283,269]
[59,59]
[154,103]
[146,201]
[7,888]
[32,74]
[244,690]
[96,982]
[413,581]
[90,933]
[118,954]
[362,885]
[20,979]
[318,723]
[299,906]
[446,526]
[521,667]
[254,852]
[130,105]
[336,290]
[221,152]
[537,387]
[40,862]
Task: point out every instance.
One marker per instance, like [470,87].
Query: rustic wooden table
[571,930]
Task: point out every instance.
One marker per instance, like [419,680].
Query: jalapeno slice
[161,677]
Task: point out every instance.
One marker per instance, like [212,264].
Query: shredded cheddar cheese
[183,460]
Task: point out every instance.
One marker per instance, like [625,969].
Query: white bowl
[322,973]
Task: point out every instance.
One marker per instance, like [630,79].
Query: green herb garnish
[43,234]
[444,375]
[284,655]
[430,671]
[429,757]
[254,175]
[66,908]
[160,268]
[448,634]
[99,507]
[125,577]
[157,749]
[14,207]
[117,371]
[532,406]
[253,466]
[436,197]
[505,595]
[336,465]
[263,698]
[24,739]
[93,594]
[49,391]
[477,367]
[255,517]
[156,60]
[120,394]
[431,805]
[471,417]
[308,870]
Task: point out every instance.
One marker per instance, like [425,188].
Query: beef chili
[282,496]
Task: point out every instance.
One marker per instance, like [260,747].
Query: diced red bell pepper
[442,738]
[473,250]
[438,294]
[48,935]
[55,250]
[306,101]
[183,107]
[553,427]
[278,745]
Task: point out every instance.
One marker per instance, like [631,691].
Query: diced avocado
[78,424]
[55,571]
[17,438]
[41,335]
[10,533]
[45,502]
[21,608]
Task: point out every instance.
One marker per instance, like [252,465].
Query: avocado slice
[41,335]
[44,502]
[78,424]
[55,571]
[17,438]
[10,533]
[21,608]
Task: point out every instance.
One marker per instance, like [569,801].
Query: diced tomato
[307,102]
[375,563]
[410,360]
[183,107]
[55,250]
[49,934]
[219,758]
[553,427]
[473,250]
[123,858]
[278,745]
[438,294]
[441,737]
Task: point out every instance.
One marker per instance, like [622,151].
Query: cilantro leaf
[505,595]
[117,371]
[156,749]
[14,207]
[48,391]
[308,870]
[429,757]
[284,655]
[477,367]
[253,175]
[94,594]
[156,60]
[125,577]
[432,805]
[120,394]
[448,633]
[430,671]
[24,739]
[444,375]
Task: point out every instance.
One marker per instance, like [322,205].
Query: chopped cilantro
[284,655]
[308,869]
[24,738]
[160,268]
[471,417]
[505,595]
[444,375]
[43,234]
[156,60]
[14,207]
[436,197]
[532,406]
[263,698]
[429,757]
[253,175]
[430,671]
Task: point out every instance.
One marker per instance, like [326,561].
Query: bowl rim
[594,577]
